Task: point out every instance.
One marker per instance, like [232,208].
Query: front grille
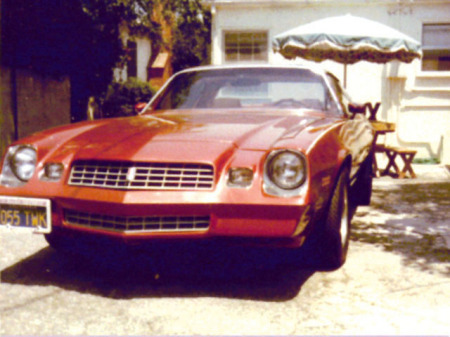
[142,176]
[137,223]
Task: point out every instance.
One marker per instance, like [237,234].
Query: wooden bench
[407,156]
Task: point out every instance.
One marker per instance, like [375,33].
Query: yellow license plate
[31,213]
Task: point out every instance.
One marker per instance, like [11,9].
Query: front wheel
[361,191]
[56,242]
[62,242]
[336,234]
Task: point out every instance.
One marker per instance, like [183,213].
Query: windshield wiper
[159,119]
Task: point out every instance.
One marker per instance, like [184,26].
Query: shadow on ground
[255,275]
[409,218]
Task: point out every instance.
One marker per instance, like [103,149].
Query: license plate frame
[26,213]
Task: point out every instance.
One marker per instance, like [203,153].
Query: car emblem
[131,174]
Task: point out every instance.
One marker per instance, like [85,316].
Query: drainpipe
[213,34]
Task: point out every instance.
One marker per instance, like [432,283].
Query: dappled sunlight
[410,219]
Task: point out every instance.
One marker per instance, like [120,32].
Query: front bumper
[159,216]
[177,221]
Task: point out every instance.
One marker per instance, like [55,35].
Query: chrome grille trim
[137,224]
[142,176]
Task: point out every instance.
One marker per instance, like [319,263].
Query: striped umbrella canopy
[347,39]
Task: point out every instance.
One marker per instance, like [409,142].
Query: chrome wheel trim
[343,230]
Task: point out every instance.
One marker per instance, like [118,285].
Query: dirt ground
[395,282]
[409,217]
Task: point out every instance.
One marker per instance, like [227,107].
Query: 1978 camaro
[269,155]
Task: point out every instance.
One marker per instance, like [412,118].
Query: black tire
[361,191]
[333,246]
[57,242]
[64,243]
[91,248]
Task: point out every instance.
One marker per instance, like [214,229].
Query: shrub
[121,97]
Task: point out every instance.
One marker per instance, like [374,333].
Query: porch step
[434,79]
[439,90]
[427,97]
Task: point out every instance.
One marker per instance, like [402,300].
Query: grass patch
[430,161]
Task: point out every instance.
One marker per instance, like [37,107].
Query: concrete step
[425,90]
[437,99]
[432,79]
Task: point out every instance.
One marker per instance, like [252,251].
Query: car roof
[314,69]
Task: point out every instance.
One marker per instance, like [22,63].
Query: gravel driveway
[396,281]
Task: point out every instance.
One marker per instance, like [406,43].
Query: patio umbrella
[346,39]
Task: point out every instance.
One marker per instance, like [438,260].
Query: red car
[266,154]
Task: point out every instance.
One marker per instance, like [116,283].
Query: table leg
[391,154]
[407,168]
[375,172]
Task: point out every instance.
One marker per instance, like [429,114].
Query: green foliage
[81,38]
[431,161]
[192,37]
[121,97]
[108,15]
[43,35]
[137,14]
[75,38]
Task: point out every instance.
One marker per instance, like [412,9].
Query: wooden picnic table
[407,155]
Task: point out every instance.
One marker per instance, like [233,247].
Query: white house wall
[423,126]
[144,52]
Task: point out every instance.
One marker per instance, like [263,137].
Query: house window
[246,46]
[436,47]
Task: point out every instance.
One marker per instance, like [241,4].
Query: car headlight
[23,162]
[286,169]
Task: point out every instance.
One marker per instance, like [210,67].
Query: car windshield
[245,88]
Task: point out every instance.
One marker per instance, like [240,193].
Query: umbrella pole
[345,75]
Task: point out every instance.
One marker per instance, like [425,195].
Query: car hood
[198,136]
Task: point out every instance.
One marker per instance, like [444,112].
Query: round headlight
[23,162]
[287,169]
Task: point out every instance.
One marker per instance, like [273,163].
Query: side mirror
[139,107]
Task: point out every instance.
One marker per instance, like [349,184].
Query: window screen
[246,47]
[436,47]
